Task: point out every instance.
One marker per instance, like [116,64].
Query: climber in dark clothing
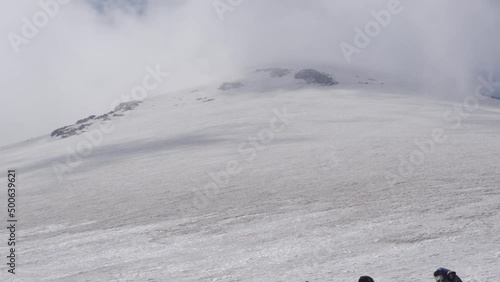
[446,275]
[365,279]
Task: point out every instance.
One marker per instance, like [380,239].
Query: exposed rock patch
[204,99]
[127,106]
[312,76]
[85,119]
[80,126]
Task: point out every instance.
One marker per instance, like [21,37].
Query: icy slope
[321,200]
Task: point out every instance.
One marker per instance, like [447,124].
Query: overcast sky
[90,52]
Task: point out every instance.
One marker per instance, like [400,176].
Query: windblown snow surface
[327,194]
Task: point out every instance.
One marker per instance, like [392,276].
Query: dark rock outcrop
[85,119]
[127,106]
[312,76]
[80,126]
[69,130]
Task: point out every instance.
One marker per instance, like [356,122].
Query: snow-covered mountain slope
[272,180]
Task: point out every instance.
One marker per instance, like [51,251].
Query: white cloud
[83,59]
